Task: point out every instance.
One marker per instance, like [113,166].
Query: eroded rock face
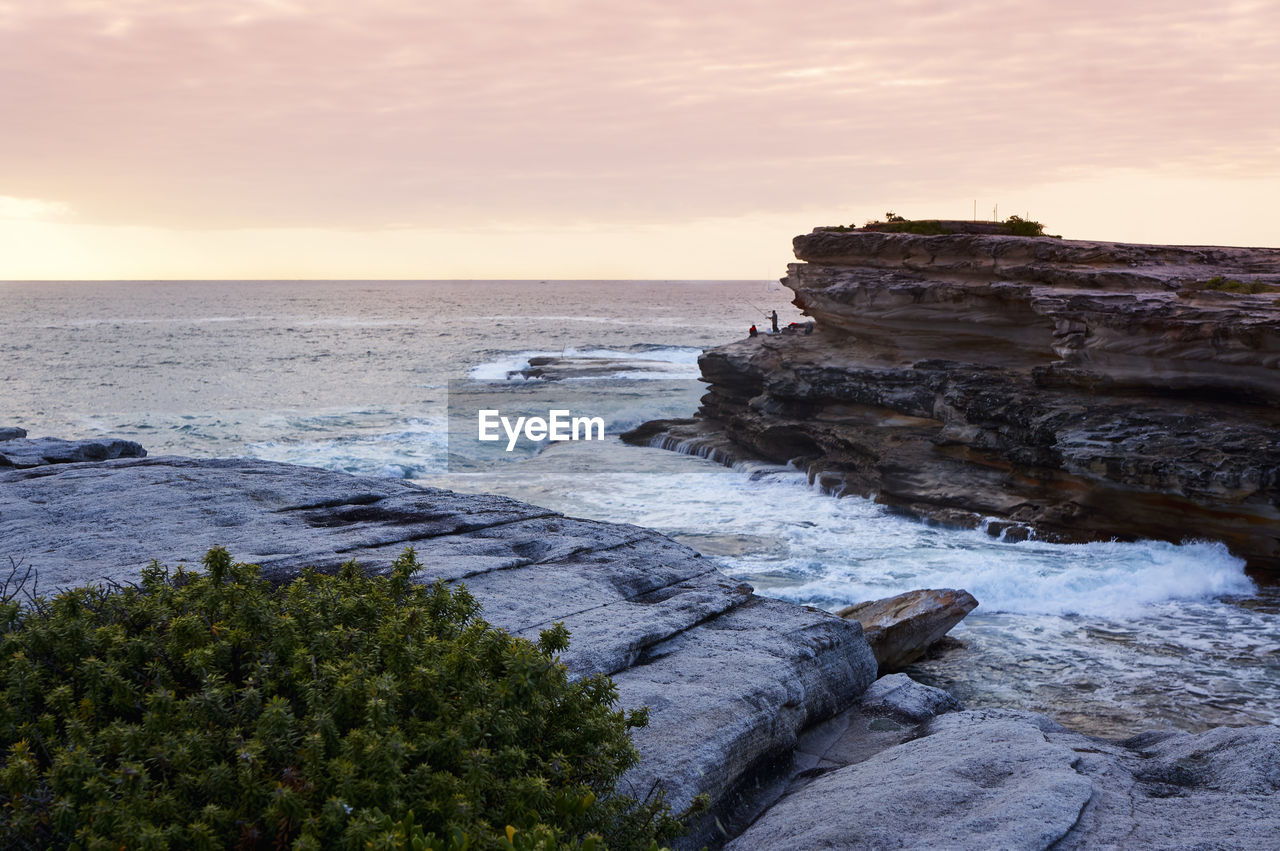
[1083,390]
[731,679]
[1009,779]
[901,628]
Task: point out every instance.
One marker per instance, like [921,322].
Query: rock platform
[767,707]
[731,679]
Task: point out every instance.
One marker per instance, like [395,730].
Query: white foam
[1108,580]
[411,448]
[833,552]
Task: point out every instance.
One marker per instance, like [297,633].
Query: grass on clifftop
[216,710]
[893,223]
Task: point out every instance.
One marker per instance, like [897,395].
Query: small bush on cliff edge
[216,710]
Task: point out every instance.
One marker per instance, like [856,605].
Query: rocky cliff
[1083,390]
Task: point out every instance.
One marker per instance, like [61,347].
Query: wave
[508,366]
[1108,579]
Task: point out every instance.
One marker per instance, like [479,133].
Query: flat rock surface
[1015,780]
[731,679]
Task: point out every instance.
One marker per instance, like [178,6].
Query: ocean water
[1110,638]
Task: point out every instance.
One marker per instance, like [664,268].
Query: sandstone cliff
[1083,390]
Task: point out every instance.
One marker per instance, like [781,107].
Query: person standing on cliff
[774,317]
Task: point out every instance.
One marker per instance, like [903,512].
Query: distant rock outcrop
[1083,390]
[17,450]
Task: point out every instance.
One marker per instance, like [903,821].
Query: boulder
[1009,779]
[901,628]
[903,697]
[12,432]
[21,451]
[731,679]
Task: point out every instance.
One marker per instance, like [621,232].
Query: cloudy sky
[651,138]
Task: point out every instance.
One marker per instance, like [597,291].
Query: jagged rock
[901,628]
[12,432]
[898,694]
[20,451]
[1008,779]
[1086,390]
[731,679]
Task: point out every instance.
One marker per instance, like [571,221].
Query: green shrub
[921,227]
[898,224]
[1019,226]
[216,710]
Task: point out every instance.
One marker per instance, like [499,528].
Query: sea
[1109,638]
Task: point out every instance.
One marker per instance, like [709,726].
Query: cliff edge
[1074,390]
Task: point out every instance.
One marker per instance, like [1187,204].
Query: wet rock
[1009,779]
[901,696]
[1083,390]
[731,679]
[12,432]
[901,628]
[559,368]
[21,451]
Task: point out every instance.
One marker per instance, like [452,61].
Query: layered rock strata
[1083,390]
[901,628]
[731,679]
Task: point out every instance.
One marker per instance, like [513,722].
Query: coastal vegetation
[216,710]
[894,223]
[1019,226]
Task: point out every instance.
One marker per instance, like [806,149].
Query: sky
[600,139]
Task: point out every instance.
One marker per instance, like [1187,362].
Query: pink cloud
[338,114]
